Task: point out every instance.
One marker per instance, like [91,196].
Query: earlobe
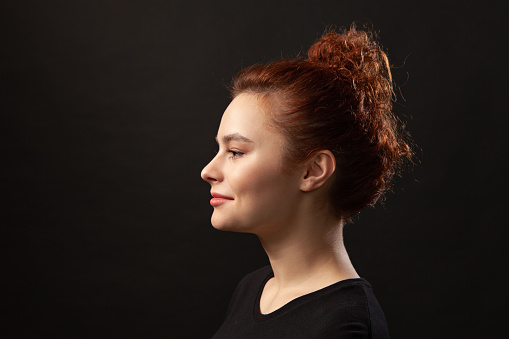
[318,171]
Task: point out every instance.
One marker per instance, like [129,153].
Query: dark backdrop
[109,110]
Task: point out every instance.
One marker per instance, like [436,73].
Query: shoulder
[354,310]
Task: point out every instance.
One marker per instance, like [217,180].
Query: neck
[309,252]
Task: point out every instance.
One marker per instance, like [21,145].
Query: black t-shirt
[346,309]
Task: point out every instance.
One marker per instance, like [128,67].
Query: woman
[304,146]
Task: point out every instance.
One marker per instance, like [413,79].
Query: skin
[287,210]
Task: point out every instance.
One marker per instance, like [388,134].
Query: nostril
[207,177]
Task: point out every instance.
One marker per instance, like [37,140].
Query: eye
[235,154]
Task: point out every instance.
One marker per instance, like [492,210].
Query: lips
[219,199]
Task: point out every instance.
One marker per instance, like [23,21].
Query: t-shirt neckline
[258,316]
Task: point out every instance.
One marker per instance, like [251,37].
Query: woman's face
[251,190]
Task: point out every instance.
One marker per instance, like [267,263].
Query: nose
[210,173]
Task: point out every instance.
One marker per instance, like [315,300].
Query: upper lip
[217,195]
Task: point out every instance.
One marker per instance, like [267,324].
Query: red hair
[339,99]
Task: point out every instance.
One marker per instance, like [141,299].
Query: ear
[318,170]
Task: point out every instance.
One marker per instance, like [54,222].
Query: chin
[223,224]
[224,228]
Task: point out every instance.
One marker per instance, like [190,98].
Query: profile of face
[251,192]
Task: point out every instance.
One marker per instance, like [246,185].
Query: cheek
[260,183]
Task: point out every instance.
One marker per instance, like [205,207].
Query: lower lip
[218,201]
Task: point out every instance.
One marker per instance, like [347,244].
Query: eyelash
[234,154]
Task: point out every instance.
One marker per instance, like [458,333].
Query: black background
[109,110]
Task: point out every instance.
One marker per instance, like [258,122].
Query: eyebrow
[234,137]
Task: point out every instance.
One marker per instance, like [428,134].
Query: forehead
[247,115]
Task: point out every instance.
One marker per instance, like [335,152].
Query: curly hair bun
[362,65]
[352,53]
